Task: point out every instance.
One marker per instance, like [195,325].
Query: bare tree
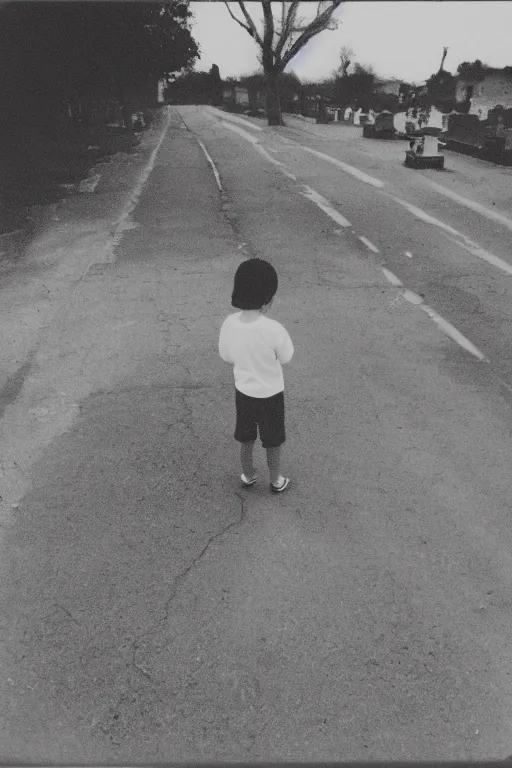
[282,38]
[346,58]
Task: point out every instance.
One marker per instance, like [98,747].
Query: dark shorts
[263,413]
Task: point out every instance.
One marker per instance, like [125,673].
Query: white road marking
[478,207]
[123,223]
[254,141]
[391,277]
[466,243]
[443,324]
[225,116]
[240,131]
[268,156]
[325,206]
[335,216]
[453,333]
[368,243]
[446,327]
[476,250]
[312,195]
[347,168]
[214,169]
[423,216]
[412,297]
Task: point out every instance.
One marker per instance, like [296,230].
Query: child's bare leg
[274,461]
[246,453]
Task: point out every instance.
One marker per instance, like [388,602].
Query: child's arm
[284,348]
[223,347]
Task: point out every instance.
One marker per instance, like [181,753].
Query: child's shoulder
[275,325]
[230,318]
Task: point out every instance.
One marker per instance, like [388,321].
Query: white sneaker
[281,485]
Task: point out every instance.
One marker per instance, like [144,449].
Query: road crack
[181,576]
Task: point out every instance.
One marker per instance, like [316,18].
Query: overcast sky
[399,39]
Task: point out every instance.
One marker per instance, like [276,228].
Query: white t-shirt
[256,349]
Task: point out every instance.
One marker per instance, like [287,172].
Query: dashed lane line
[463,241]
[373,182]
[393,279]
[325,206]
[222,115]
[254,141]
[453,333]
[423,216]
[472,204]
[481,253]
[214,169]
[368,243]
[248,136]
[269,157]
[447,328]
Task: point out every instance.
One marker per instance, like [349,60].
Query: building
[236,95]
[242,96]
[493,87]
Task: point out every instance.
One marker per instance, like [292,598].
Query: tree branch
[252,25]
[318,25]
[247,29]
[287,27]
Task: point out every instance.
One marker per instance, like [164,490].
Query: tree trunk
[273,103]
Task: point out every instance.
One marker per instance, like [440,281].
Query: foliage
[355,89]
[288,84]
[385,101]
[191,88]
[50,52]
[473,70]
[441,90]
[259,79]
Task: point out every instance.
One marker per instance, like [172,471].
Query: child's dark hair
[255,284]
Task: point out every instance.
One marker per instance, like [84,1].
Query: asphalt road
[153,610]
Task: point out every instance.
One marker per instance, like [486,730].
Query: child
[257,347]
